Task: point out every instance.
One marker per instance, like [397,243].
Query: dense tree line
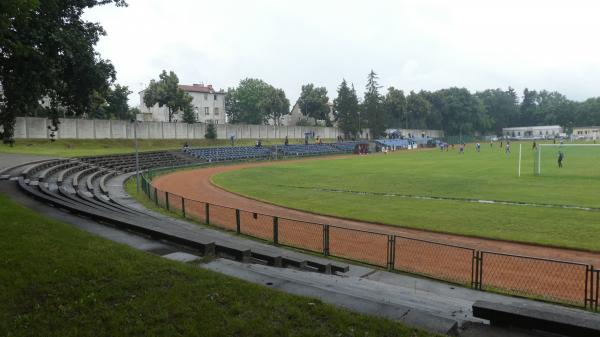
[47,53]
[456,110]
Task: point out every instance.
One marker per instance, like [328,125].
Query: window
[519,133]
[206,111]
[216,121]
[547,132]
[216,111]
[216,97]
[540,132]
[205,97]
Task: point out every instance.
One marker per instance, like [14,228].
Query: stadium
[482,218]
[314,168]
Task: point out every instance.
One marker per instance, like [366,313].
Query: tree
[418,109]
[275,105]
[211,132]
[554,108]
[47,51]
[133,112]
[244,104]
[188,115]
[346,110]
[588,112]
[313,102]
[166,92]
[528,107]
[502,107]
[464,113]
[395,107]
[255,102]
[434,118]
[373,107]
[116,100]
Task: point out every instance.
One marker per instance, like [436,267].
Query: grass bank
[56,280]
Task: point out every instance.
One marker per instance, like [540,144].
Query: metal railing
[556,281]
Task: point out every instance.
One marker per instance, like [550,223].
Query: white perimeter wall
[32,127]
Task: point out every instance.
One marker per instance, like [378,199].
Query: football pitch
[475,193]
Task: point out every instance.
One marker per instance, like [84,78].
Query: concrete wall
[31,127]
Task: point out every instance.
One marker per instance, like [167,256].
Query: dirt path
[196,184]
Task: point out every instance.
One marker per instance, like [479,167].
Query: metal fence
[555,281]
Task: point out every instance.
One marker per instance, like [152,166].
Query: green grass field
[95,147]
[56,280]
[389,183]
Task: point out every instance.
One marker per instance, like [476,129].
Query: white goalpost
[542,157]
[519,169]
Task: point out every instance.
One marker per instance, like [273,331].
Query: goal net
[577,159]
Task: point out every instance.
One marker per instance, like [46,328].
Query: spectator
[286,142]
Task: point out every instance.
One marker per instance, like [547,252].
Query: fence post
[597,272]
[475,270]
[167,200]
[589,277]
[275,230]
[326,240]
[480,278]
[207,213]
[183,206]
[156,196]
[237,221]
[391,256]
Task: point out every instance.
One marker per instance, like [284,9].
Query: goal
[578,159]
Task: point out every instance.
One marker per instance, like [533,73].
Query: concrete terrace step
[159,229]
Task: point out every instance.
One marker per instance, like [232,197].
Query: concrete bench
[558,320]
[69,171]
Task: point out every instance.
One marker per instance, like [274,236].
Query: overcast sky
[412,45]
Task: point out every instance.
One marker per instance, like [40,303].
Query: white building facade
[209,106]
[586,132]
[533,132]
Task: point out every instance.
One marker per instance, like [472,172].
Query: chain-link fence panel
[301,234]
[440,261]
[195,210]
[223,217]
[548,280]
[256,225]
[174,203]
[160,195]
[151,191]
[358,245]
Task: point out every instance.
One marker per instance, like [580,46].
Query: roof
[533,127]
[586,127]
[207,89]
[201,88]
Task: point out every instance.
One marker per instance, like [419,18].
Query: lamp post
[359,129]
[137,157]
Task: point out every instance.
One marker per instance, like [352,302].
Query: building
[209,106]
[586,132]
[296,117]
[533,132]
